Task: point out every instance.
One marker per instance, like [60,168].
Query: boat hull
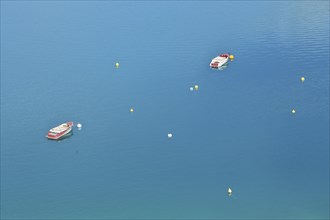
[69,134]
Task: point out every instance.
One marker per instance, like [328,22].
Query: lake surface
[58,64]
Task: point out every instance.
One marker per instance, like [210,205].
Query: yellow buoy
[131,110]
[293,111]
[302,79]
[196,87]
[231,57]
[117,65]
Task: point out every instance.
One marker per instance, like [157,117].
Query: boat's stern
[214,64]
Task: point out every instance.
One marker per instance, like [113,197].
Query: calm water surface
[58,64]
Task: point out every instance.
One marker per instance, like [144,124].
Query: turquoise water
[58,64]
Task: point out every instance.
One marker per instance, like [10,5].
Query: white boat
[219,61]
[60,131]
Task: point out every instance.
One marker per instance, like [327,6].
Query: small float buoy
[169,135]
[231,57]
[79,125]
[131,110]
[293,111]
[302,79]
[230,192]
[191,89]
[117,65]
[196,87]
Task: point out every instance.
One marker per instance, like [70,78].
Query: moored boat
[219,61]
[60,131]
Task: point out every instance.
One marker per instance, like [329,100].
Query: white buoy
[230,191]
[191,89]
[196,87]
[79,125]
[169,135]
[131,110]
[293,111]
[302,79]
[117,65]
